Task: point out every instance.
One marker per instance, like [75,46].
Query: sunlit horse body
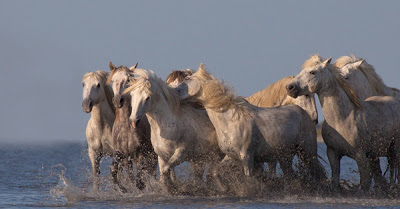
[179,132]
[97,98]
[362,130]
[251,134]
[132,145]
[363,78]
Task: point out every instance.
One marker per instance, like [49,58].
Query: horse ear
[358,63]
[133,67]
[112,67]
[201,67]
[326,62]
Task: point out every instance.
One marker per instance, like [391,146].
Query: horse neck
[162,112]
[122,114]
[102,112]
[362,86]
[336,105]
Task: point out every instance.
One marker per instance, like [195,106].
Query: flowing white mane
[148,81]
[369,71]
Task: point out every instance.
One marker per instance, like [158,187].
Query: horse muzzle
[118,101]
[135,123]
[292,90]
[87,105]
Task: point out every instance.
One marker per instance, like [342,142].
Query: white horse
[132,145]
[97,99]
[362,130]
[275,95]
[363,78]
[251,134]
[179,132]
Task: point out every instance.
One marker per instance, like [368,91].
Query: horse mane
[315,60]
[369,71]
[102,76]
[312,61]
[112,73]
[144,81]
[178,74]
[218,96]
[271,96]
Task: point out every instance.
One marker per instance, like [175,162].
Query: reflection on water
[58,175]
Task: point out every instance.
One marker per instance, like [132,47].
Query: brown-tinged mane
[102,76]
[368,70]
[271,96]
[148,81]
[318,60]
[218,96]
[179,75]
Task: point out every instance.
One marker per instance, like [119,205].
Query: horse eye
[312,72]
[147,98]
[98,85]
[83,84]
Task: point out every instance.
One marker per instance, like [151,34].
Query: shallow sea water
[58,175]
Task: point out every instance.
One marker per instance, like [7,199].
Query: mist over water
[59,175]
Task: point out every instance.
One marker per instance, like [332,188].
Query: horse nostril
[121,101]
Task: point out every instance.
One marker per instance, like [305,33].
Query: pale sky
[46,47]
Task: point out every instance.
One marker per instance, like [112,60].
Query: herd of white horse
[143,121]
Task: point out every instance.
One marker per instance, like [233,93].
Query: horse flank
[141,81]
[102,76]
[315,60]
[271,96]
[373,78]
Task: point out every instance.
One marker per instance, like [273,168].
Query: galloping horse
[131,144]
[179,132]
[97,98]
[252,134]
[362,130]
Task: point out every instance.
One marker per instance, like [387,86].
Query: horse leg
[364,169]
[380,181]
[139,173]
[272,167]
[334,161]
[286,165]
[248,165]
[198,171]
[95,161]
[213,170]
[173,175]
[114,170]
